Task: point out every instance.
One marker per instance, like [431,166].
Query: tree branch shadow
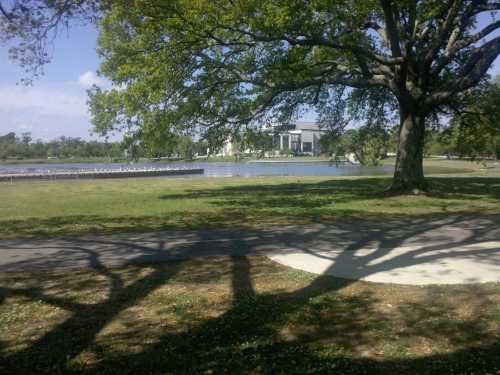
[253,335]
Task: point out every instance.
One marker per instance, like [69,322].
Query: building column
[281,141]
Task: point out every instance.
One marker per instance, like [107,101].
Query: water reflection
[220,169]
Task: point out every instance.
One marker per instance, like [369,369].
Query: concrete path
[452,249]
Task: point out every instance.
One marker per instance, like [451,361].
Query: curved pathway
[451,249]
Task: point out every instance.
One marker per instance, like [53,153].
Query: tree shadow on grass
[52,351]
[318,194]
[64,226]
[465,187]
[310,329]
[245,215]
[268,204]
[362,188]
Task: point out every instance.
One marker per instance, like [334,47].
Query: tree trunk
[409,173]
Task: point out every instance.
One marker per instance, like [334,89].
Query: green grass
[37,209]
[240,315]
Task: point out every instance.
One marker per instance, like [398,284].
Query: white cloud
[88,79]
[42,101]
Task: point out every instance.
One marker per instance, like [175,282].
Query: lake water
[220,169]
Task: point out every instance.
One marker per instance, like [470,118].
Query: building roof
[298,125]
[307,125]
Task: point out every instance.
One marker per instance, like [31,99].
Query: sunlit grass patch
[40,209]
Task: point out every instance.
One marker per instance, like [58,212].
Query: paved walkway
[454,249]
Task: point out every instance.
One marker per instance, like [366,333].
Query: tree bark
[409,173]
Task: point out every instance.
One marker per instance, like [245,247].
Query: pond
[220,169]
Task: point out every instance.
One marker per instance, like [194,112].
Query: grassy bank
[38,209]
[241,315]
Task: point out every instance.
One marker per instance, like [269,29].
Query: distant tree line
[24,147]
[21,147]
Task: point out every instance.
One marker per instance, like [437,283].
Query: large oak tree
[219,65]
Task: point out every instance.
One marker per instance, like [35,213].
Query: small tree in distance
[368,143]
[477,130]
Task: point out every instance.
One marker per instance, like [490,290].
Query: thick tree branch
[5,13]
[488,7]
[475,68]
[391,28]
[443,32]
[312,41]
[455,46]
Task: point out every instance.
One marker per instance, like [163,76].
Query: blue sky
[56,104]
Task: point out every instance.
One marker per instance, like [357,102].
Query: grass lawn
[241,315]
[38,209]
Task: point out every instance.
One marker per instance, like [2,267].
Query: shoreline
[99,174]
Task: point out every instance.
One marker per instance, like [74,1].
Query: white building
[301,138]
[228,149]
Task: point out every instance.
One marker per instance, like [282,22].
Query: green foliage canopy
[217,65]
[476,131]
